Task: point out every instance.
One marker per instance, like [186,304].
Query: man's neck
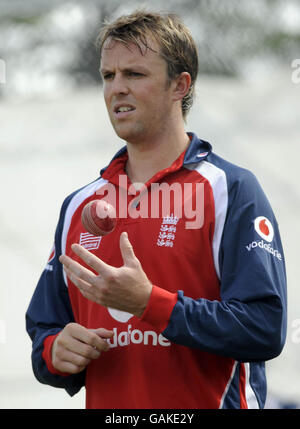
[147,159]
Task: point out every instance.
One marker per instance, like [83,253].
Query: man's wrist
[47,355]
[145,301]
[159,308]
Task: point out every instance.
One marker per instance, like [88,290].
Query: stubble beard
[138,131]
[131,133]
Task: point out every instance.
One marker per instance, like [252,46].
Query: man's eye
[108,76]
[135,74]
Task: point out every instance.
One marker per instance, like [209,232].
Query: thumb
[126,249]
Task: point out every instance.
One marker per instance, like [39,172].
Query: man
[180,309]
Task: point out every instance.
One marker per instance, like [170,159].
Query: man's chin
[129,135]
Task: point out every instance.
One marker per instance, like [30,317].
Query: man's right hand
[75,347]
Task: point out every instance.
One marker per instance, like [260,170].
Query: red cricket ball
[99,217]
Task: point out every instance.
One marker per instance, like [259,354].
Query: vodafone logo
[133,336]
[264,228]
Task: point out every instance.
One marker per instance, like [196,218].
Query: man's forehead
[138,47]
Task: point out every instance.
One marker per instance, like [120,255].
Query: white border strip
[250,394]
[75,202]
[218,182]
[228,385]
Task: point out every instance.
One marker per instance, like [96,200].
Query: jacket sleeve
[248,323]
[48,313]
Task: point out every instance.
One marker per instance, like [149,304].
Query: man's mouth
[121,110]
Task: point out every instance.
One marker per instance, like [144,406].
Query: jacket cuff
[159,308]
[46,355]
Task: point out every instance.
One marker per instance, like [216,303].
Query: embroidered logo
[167,231]
[89,241]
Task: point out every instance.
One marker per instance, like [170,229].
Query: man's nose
[119,85]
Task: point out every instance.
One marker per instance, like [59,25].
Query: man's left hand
[126,288]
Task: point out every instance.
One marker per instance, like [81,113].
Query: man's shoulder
[241,185]
[82,193]
[236,175]
[218,170]
[231,169]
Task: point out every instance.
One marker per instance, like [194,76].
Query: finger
[101,344]
[84,287]
[89,337]
[103,333]
[126,249]
[94,340]
[77,269]
[83,350]
[73,358]
[96,263]
[68,367]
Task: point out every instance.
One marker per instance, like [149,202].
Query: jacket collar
[197,151]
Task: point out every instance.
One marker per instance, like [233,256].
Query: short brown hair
[176,44]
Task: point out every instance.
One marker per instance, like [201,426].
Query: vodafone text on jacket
[265,246]
[124,338]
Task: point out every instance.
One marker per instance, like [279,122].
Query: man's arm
[248,323]
[48,313]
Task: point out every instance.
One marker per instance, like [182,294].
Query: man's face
[137,96]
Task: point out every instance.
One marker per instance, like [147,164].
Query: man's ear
[182,85]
